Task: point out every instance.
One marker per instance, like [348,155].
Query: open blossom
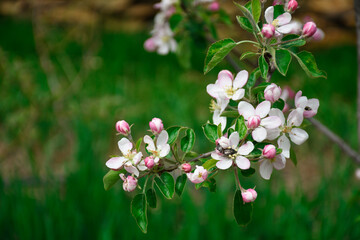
[129,184]
[199,175]
[232,153]
[226,87]
[281,23]
[165,5]
[256,119]
[164,39]
[161,149]
[156,125]
[130,159]
[267,165]
[272,92]
[218,108]
[309,106]
[297,135]
[249,195]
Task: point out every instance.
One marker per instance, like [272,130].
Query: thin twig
[204,155]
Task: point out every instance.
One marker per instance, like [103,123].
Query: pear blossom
[309,106]
[226,87]
[267,165]
[122,127]
[297,135]
[281,23]
[256,119]
[161,149]
[232,153]
[130,159]
[129,184]
[199,175]
[249,195]
[218,108]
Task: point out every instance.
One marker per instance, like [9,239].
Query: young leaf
[138,210]
[217,52]
[248,172]
[210,164]
[240,127]
[111,178]
[252,78]
[261,87]
[151,197]
[230,114]
[256,9]
[166,184]
[264,67]
[245,24]
[173,134]
[249,16]
[308,63]
[297,43]
[279,104]
[282,60]
[138,144]
[188,141]
[219,131]
[248,55]
[180,184]
[242,210]
[210,131]
[210,183]
[293,156]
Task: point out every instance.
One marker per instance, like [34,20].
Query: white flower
[257,120]
[218,107]
[130,159]
[309,106]
[267,165]
[232,153]
[199,175]
[226,87]
[297,135]
[281,23]
[164,39]
[161,149]
[164,5]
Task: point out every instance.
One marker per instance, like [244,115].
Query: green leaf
[175,20]
[308,63]
[242,210]
[256,9]
[210,131]
[278,10]
[248,55]
[217,52]
[210,164]
[188,141]
[191,154]
[245,24]
[252,78]
[249,16]
[261,87]
[180,184]
[240,127]
[293,156]
[279,104]
[247,172]
[166,184]
[210,183]
[173,134]
[111,178]
[230,114]
[297,43]
[138,144]
[219,131]
[138,210]
[151,197]
[282,61]
[264,67]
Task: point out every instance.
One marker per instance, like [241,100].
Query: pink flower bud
[214,6]
[318,35]
[149,162]
[129,184]
[272,92]
[150,45]
[309,29]
[253,122]
[186,167]
[249,195]
[122,127]
[269,151]
[156,125]
[268,30]
[292,5]
[277,2]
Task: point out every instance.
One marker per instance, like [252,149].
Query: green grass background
[63,196]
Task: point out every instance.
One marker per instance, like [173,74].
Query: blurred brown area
[335,17]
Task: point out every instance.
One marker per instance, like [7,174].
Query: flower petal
[164,150]
[246,109]
[271,122]
[217,120]
[125,146]
[242,162]
[263,109]
[239,94]
[225,81]
[278,113]
[162,138]
[137,158]
[246,148]
[150,142]
[284,145]
[272,134]
[213,90]
[240,79]
[234,139]
[133,170]
[296,117]
[285,29]
[224,164]
[259,134]
[225,74]
[219,157]
[284,18]
[115,163]
[279,162]
[266,169]
[269,15]
[298,136]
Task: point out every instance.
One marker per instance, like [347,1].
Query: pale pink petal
[133,170]
[269,15]
[242,162]
[298,136]
[263,109]
[279,162]
[278,113]
[284,19]
[246,109]
[164,150]
[239,94]
[246,148]
[137,158]
[271,122]
[234,139]
[150,142]
[259,134]
[122,176]
[162,138]
[213,90]
[125,146]
[115,163]
[219,157]
[241,79]
[224,164]
[141,166]
[285,29]
[225,74]
[272,134]
[224,82]
[284,145]
[219,120]
[297,96]
[266,169]
[296,117]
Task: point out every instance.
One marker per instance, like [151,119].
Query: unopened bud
[268,30]
[277,2]
[292,5]
[249,195]
[186,167]
[150,45]
[149,162]
[253,122]
[214,6]
[122,127]
[272,92]
[156,125]
[129,184]
[269,151]
[309,29]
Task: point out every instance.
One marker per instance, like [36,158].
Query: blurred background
[70,69]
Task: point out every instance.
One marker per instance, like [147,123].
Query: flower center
[165,39]
[214,106]
[275,23]
[286,129]
[230,91]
